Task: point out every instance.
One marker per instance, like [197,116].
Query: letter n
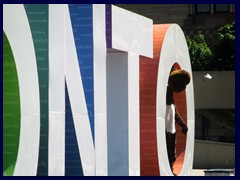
[64,67]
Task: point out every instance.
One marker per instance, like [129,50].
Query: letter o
[174,50]
[17,29]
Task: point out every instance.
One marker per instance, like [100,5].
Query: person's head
[179,79]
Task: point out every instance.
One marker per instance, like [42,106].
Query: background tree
[225,49]
[200,54]
[223,56]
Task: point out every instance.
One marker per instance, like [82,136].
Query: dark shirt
[169,101]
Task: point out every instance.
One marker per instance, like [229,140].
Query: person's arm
[179,120]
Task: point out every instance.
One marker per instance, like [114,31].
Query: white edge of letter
[100,94]
[56,142]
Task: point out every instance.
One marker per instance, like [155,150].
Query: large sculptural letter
[124,47]
[15,18]
[173,50]
[169,47]
[63,66]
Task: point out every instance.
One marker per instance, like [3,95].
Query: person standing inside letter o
[178,79]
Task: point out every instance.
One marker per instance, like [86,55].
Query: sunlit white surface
[132,32]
